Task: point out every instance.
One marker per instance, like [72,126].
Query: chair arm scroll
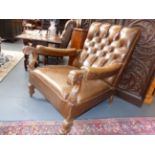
[75,77]
[102,72]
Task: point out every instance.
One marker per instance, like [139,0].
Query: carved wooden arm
[102,72]
[92,73]
[51,51]
[75,78]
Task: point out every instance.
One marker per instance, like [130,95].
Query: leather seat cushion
[91,89]
[55,77]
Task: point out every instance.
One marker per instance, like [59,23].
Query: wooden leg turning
[45,60]
[31,89]
[66,127]
[26,61]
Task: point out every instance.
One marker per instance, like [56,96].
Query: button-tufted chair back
[107,44]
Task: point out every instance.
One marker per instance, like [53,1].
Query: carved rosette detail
[138,72]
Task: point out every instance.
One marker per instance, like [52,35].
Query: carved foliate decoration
[86,22]
[139,72]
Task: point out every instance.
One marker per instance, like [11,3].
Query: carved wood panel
[86,22]
[140,70]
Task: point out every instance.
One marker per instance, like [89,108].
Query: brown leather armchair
[94,74]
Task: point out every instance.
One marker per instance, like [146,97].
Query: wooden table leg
[26,61]
[45,60]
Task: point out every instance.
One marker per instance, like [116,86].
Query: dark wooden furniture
[44,24]
[31,24]
[0,44]
[77,40]
[78,37]
[140,72]
[39,36]
[60,25]
[9,28]
[35,37]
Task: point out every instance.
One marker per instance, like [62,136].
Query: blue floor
[15,103]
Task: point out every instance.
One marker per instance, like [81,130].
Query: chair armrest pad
[51,51]
[102,72]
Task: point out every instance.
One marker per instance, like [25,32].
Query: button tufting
[105,44]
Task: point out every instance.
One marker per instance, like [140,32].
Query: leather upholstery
[67,33]
[106,44]
[56,77]
[102,72]
[55,51]
[73,90]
